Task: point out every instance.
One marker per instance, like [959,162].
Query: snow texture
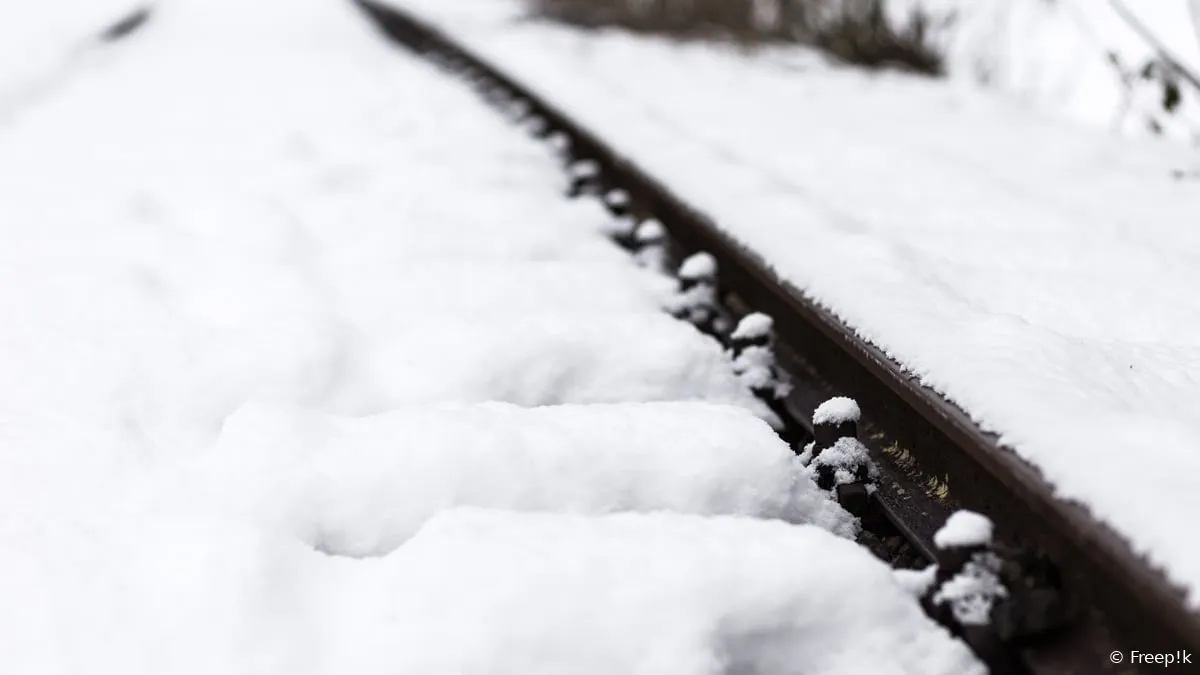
[698,267]
[363,486]
[964,528]
[837,410]
[752,326]
[916,582]
[847,456]
[650,231]
[253,223]
[660,593]
[756,368]
[1037,273]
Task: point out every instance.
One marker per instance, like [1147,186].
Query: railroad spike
[650,245]
[837,460]
[696,299]
[968,589]
[585,177]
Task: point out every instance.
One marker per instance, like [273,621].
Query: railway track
[1094,595]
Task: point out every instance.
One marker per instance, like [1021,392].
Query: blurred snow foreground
[229,445]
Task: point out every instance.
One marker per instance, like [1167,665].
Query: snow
[545,359]
[257,264]
[964,528]
[753,325]
[609,594]
[973,592]
[837,410]
[616,198]
[846,457]
[698,266]
[1055,54]
[916,582]
[44,45]
[363,486]
[650,232]
[1037,273]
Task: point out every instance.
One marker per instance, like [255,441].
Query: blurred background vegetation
[862,32]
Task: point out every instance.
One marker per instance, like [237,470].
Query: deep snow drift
[1037,273]
[226,240]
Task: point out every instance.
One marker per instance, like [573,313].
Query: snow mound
[698,266]
[547,359]
[752,326]
[837,410]
[372,296]
[362,486]
[964,528]
[646,593]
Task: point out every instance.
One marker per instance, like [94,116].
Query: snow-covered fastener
[536,125]
[753,355]
[560,145]
[837,460]
[696,300]
[585,177]
[968,587]
[650,245]
[517,109]
[833,419]
[618,203]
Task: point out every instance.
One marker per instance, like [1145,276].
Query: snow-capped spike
[969,591]
[537,125]
[650,232]
[696,300]
[649,243]
[754,326]
[835,418]
[617,202]
[698,267]
[560,144]
[964,529]
[585,177]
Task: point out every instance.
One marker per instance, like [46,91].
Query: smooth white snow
[650,231]
[698,266]
[363,486]
[964,528]
[544,359]
[837,410]
[253,216]
[753,325]
[658,593]
[1035,272]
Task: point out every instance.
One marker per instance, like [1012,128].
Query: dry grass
[856,31]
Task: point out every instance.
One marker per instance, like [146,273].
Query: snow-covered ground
[44,44]
[273,295]
[1056,54]
[1040,274]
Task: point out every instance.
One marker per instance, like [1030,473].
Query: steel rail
[934,457]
